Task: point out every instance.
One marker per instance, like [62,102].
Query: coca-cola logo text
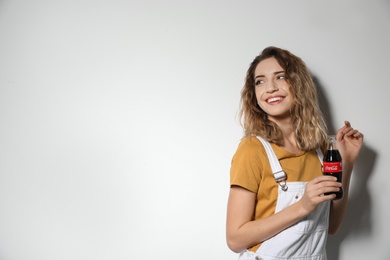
[332,167]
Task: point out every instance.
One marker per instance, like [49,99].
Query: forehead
[268,66]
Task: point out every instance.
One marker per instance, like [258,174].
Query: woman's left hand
[349,142]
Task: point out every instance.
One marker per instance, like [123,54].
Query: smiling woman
[279,206]
[272,90]
[283,75]
[117,120]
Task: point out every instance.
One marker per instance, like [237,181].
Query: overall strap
[320,155]
[279,175]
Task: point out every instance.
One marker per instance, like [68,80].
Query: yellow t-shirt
[250,169]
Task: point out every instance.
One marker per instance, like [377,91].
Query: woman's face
[272,90]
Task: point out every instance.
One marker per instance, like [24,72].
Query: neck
[289,140]
[284,125]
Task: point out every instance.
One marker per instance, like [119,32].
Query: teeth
[274,99]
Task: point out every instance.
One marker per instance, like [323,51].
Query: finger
[350,132]
[321,184]
[328,197]
[347,127]
[358,135]
[320,195]
[323,178]
[328,187]
[341,132]
[323,181]
[354,133]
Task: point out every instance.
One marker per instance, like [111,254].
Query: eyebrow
[275,73]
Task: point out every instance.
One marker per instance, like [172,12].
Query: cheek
[259,99]
[258,94]
[287,88]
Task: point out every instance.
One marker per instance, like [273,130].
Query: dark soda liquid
[334,156]
[340,193]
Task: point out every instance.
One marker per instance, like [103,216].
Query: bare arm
[242,231]
[349,143]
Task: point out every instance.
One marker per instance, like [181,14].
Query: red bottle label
[332,167]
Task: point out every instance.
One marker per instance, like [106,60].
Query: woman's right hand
[315,192]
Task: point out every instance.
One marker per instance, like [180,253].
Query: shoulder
[250,149]
[250,143]
[247,164]
[250,168]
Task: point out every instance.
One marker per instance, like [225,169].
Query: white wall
[118,120]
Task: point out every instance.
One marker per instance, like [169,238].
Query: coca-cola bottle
[332,164]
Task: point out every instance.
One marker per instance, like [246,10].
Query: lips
[274,99]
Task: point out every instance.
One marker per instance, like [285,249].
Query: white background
[118,120]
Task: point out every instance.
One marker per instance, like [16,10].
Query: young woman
[277,206]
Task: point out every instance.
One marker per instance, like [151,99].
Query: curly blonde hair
[307,120]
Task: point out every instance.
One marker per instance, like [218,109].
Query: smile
[274,99]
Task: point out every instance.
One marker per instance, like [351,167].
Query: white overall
[306,240]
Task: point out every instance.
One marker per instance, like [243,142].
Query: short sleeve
[246,165]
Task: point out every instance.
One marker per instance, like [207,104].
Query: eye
[280,77]
[258,82]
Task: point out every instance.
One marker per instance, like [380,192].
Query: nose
[271,86]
